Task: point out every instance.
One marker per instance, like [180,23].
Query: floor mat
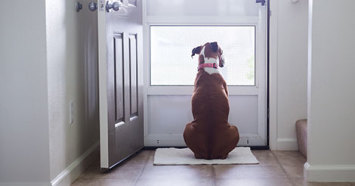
[175,156]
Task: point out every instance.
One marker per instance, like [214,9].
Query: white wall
[24,144]
[72,77]
[288,71]
[48,57]
[331,125]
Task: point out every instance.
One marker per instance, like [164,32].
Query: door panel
[116,81]
[120,59]
[133,75]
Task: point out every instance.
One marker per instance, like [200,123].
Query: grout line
[283,169]
[145,165]
[214,181]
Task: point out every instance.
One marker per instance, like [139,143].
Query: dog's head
[209,50]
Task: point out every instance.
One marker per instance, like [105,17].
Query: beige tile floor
[276,168]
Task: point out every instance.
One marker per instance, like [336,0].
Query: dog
[209,135]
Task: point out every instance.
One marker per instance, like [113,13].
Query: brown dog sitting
[209,135]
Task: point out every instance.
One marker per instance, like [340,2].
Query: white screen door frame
[167,109]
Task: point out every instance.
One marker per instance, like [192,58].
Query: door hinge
[262,2]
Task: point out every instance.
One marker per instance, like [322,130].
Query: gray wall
[48,58]
[72,77]
[24,144]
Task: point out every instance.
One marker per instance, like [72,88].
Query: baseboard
[73,171]
[286,144]
[330,173]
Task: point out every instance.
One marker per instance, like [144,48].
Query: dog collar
[208,62]
[211,65]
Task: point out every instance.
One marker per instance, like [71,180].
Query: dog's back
[210,99]
[210,136]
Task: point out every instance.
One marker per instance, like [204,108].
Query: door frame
[187,90]
[103,98]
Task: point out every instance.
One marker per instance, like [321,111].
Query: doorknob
[92,6]
[114,6]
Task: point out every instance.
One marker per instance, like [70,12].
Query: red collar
[211,65]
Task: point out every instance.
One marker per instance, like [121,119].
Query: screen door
[171,30]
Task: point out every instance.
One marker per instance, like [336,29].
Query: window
[171,48]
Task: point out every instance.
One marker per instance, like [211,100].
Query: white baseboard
[73,171]
[330,173]
[286,144]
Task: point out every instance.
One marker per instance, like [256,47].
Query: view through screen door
[171,30]
[120,80]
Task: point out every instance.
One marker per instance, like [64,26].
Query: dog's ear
[196,50]
[214,46]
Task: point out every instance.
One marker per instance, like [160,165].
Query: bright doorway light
[171,48]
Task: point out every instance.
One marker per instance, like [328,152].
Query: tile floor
[276,168]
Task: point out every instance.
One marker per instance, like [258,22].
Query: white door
[120,80]
[171,30]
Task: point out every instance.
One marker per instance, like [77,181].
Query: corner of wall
[287,73]
[330,173]
[273,27]
[73,171]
